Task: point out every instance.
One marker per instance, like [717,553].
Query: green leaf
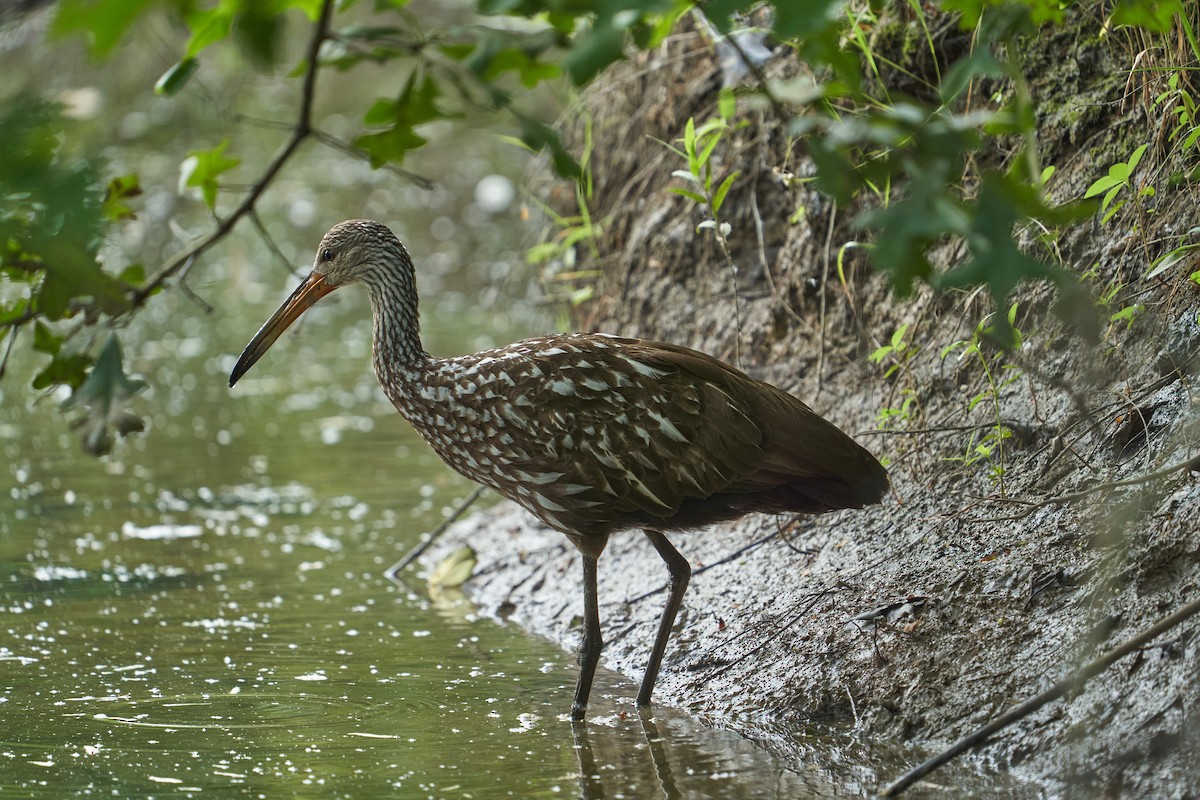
[257,28]
[996,261]
[416,105]
[537,135]
[64,369]
[210,26]
[1153,15]
[51,220]
[1136,157]
[722,190]
[496,52]
[72,273]
[10,315]
[203,167]
[1102,185]
[807,20]
[594,49]
[133,275]
[44,339]
[312,8]
[119,190]
[104,22]
[980,63]
[695,197]
[104,394]
[713,139]
[726,104]
[689,146]
[176,77]
[908,227]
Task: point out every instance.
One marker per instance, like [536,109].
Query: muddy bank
[971,588]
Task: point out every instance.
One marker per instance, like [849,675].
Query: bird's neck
[397,334]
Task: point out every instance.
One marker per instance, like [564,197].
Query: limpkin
[592,433]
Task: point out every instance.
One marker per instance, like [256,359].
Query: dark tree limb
[1072,683]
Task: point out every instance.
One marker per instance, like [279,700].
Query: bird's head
[355,251]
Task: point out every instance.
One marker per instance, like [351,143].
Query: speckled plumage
[592,433]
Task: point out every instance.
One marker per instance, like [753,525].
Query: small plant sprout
[699,143]
[558,251]
[1118,179]
[897,354]
[898,349]
[990,446]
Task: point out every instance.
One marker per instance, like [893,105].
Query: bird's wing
[631,429]
[799,447]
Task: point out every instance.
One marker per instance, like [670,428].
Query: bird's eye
[327,254]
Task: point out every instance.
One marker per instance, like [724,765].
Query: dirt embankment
[966,592]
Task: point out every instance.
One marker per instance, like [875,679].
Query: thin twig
[187,290]
[1072,683]
[1192,464]
[300,131]
[392,573]
[824,286]
[735,554]
[1008,423]
[357,152]
[12,338]
[270,242]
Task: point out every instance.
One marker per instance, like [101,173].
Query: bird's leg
[680,571]
[589,650]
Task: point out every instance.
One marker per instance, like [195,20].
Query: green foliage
[559,251]
[897,351]
[989,446]
[698,147]
[1179,103]
[120,189]
[1153,15]
[897,354]
[415,106]
[104,22]
[52,219]
[203,167]
[1116,181]
[104,395]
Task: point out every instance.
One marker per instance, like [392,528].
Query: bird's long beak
[312,289]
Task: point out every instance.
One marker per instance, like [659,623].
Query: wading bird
[592,433]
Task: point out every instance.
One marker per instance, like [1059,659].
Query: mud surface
[971,588]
